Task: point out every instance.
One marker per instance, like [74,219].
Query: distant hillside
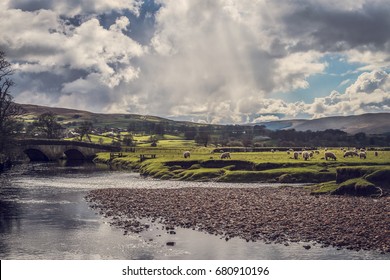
[376,123]
[37,110]
[100,120]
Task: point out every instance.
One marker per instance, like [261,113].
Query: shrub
[235,143]
[357,187]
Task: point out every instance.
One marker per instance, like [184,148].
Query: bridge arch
[51,150]
[74,154]
[36,155]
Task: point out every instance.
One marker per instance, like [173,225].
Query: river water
[44,215]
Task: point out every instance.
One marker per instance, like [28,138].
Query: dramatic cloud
[83,60]
[370,93]
[333,27]
[71,8]
[218,61]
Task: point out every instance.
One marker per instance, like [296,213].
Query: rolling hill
[375,123]
[99,120]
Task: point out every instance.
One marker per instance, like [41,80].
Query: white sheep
[225,155]
[363,155]
[330,155]
[305,155]
[296,155]
[186,154]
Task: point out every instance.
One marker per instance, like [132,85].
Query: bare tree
[48,126]
[8,109]
[85,129]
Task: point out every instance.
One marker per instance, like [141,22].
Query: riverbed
[44,215]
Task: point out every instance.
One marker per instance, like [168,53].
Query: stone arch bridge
[51,150]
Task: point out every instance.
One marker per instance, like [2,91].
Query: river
[44,215]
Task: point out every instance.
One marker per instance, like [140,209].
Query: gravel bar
[280,215]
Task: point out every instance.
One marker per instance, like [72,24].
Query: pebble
[273,215]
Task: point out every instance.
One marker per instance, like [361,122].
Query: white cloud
[71,8]
[369,82]
[369,93]
[266,118]
[345,82]
[107,52]
[294,69]
[211,60]
[42,45]
[370,60]
[218,52]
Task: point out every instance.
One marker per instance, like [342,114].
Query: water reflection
[43,215]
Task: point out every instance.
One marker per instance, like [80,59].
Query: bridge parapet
[25,142]
[53,149]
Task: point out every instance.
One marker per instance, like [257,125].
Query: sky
[212,61]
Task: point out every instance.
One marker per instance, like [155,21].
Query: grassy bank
[358,181]
[352,174]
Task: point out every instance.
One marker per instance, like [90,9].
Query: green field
[277,167]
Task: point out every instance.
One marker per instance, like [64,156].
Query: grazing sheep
[296,155]
[225,155]
[376,153]
[272,150]
[311,154]
[288,152]
[317,152]
[330,155]
[363,155]
[305,155]
[326,149]
[186,154]
[350,154]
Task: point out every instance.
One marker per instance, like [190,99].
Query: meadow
[352,174]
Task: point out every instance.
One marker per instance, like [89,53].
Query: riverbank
[352,176]
[280,215]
